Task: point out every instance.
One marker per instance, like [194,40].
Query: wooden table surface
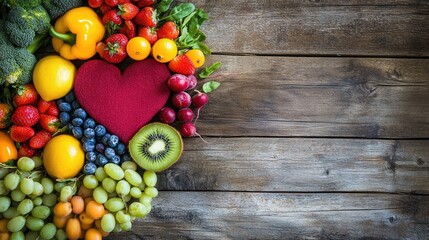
[320,129]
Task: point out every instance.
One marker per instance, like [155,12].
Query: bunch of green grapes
[125,193]
[27,197]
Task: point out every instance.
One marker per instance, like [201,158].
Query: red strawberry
[49,123]
[128,11]
[27,95]
[53,110]
[26,115]
[104,8]
[146,17]
[148,33]
[182,64]
[43,106]
[123,1]
[26,151]
[20,133]
[111,3]
[111,16]
[128,28]
[168,30]
[40,139]
[5,112]
[115,48]
[95,3]
[146,3]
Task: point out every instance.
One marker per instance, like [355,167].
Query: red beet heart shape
[125,102]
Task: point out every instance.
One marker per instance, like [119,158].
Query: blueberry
[88,146]
[89,123]
[113,141]
[120,148]
[70,97]
[75,104]
[89,133]
[115,159]
[105,139]
[79,113]
[99,147]
[64,118]
[89,168]
[64,107]
[101,160]
[109,153]
[85,139]
[91,156]
[77,132]
[100,130]
[77,122]
[126,157]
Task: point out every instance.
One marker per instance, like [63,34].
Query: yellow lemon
[63,157]
[53,77]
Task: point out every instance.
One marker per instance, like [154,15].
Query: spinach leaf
[179,12]
[207,71]
[210,86]
[163,6]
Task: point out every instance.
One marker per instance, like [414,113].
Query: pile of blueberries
[100,146]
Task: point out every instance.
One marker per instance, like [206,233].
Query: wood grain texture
[341,97]
[300,165]
[334,27]
[220,215]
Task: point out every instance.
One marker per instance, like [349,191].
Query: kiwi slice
[156,146]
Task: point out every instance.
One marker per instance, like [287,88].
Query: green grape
[114,171]
[16,224]
[135,192]
[126,226]
[34,224]
[108,222]
[129,165]
[142,186]
[41,212]
[4,203]
[10,213]
[151,192]
[133,177]
[3,172]
[48,185]
[17,236]
[31,235]
[100,195]
[114,205]
[146,200]
[126,198]
[150,178]
[58,186]
[60,234]
[122,217]
[100,174]
[37,189]
[49,199]
[117,228]
[109,185]
[26,185]
[37,161]
[90,181]
[66,193]
[25,206]
[17,195]
[123,187]
[48,231]
[37,201]
[112,195]
[11,181]
[3,189]
[25,164]
[137,209]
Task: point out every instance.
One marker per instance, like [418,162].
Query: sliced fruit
[156,147]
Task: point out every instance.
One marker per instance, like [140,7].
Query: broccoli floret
[57,8]
[16,65]
[27,4]
[4,39]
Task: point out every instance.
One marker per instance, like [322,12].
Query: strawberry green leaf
[210,86]
[207,71]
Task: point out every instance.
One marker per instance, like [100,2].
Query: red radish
[178,83]
[167,115]
[188,130]
[185,115]
[199,100]
[192,82]
[181,100]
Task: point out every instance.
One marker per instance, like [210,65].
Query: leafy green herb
[207,71]
[163,6]
[210,86]
[179,12]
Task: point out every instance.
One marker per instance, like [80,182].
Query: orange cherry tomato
[164,50]
[138,48]
[8,149]
[197,57]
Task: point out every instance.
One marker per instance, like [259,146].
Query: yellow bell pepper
[8,150]
[76,33]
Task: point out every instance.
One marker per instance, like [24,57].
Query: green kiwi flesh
[156,146]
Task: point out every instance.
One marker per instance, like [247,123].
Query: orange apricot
[78,205]
[73,229]
[94,210]
[93,234]
[63,209]
[60,222]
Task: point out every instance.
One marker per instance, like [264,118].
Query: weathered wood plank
[343,97]
[217,215]
[334,27]
[300,165]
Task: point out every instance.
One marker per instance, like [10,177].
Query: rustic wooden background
[320,129]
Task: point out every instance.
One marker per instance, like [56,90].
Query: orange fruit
[138,48]
[197,57]
[78,204]
[62,209]
[93,234]
[164,50]
[73,229]
[60,222]
[94,210]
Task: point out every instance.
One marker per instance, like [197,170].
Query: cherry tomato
[164,50]
[138,48]
[197,57]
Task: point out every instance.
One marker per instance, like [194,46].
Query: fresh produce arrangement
[84,130]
